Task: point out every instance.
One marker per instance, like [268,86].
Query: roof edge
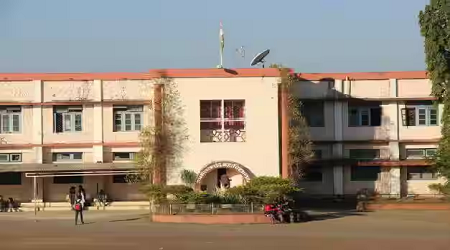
[151,74]
[364,75]
[210,73]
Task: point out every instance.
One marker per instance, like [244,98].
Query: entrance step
[45,204]
[64,206]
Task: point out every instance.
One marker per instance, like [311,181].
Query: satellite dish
[259,58]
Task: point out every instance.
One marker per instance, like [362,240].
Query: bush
[155,192]
[198,198]
[258,190]
[177,189]
[264,190]
[441,188]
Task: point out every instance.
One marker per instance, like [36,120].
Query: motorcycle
[283,213]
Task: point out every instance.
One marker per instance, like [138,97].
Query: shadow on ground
[129,219]
[336,215]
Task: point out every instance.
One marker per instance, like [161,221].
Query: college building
[370,130]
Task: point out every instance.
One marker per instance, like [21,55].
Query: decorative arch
[245,172]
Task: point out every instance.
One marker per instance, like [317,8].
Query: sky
[138,35]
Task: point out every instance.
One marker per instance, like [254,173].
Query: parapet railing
[208,208]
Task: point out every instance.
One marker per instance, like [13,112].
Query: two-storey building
[371,130]
[63,130]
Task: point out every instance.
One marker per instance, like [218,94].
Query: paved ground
[397,230]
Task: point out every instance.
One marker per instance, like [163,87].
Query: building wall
[37,141]
[392,137]
[260,151]
[261,110]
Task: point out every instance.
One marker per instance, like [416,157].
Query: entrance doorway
[220,172]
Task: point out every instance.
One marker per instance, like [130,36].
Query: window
[317,154]
[421,173]
[313,113]
[10,119]
[222,121]
[68,180]
[364,116]
[13,157]
[312,174]
[420,114]
[365,173]
[11,178]
[67,157]
[121,156]
[67,119]
[364,154]
[420,153]
[128,118]
[119,179]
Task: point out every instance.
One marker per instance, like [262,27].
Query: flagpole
[221,58]
[222,43]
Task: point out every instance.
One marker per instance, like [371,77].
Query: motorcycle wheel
[291,218]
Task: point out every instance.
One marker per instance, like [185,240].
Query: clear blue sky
[137,35]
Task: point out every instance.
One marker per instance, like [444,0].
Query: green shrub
[198,198]
[264,190]
[154,192]
[177,189]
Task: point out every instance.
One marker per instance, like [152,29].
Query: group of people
[9,205]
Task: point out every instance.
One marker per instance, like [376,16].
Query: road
[397,230]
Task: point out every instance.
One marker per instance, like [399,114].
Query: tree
[300,145]
[435,28]
[188,177]
[163,142]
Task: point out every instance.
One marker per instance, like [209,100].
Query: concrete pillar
[395,182]
[394,145]
[338,148]
[39,189]
[98,122]
[37,137]
[338,180]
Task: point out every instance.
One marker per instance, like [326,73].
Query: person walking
[78,207]
[72,196]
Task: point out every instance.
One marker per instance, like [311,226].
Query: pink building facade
[370,130]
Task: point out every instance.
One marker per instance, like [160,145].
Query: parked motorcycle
[283,213]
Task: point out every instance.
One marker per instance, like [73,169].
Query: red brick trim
[152,74]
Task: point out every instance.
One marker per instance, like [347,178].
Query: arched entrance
[208,179]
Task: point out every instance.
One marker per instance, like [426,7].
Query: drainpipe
[283,104]
[159,173]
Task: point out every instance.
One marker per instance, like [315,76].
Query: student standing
[78,207]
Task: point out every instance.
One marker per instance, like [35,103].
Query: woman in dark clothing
[72,195]
[2,204]
[81,189]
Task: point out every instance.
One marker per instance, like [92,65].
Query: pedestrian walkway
[69,215]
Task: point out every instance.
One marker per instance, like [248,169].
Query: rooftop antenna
[240,57]
[259,58]
[241,51]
